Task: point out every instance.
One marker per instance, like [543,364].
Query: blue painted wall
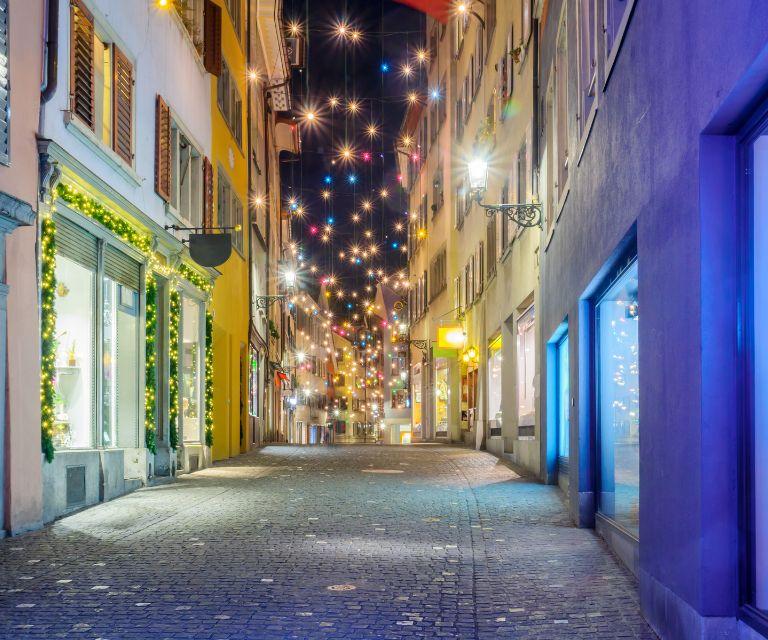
[660,162]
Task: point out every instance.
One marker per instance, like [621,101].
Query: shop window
[618,401]
[756,475]
[494,386]
[191,368]
[442,396]
[85,419]
[563,399]
[254,405]
[75,354]
[120,365]
[526,369]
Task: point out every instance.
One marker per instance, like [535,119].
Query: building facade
[21,67]
[474,276]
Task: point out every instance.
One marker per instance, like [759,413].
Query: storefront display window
[191,363]
[254,385]
[120,365]
[494,386]
[618,401]
[563,400]
[757,470]
[74,404]
[416,401]
[526,368]
[442,395]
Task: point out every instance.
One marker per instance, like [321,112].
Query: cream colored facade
[475,273]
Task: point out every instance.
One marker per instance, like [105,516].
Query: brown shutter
[212,38]
[207,194]
[122,105]
[81,79]
[162,149]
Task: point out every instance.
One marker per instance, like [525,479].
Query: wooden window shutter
[122,109]
[162,149]
[81,77]
[212,38]
[207,194]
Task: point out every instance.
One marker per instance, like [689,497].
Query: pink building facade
[21,76]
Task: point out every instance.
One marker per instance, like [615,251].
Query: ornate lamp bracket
[524,214]
[264,302]
[422,345]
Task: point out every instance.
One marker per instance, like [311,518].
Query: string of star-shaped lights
[339,246]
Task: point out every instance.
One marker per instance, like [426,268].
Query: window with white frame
[101,83]
[191,14]
[234,7]
[615,17]
[230,102]
[561,113]
[525,21]
[587,60]
[186,178]
[230,211]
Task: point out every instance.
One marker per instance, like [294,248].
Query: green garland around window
[93,209]
[173,362]
[96,211]
[209,379]
[47,334]
[150,376]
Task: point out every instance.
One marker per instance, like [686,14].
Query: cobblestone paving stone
[419,542]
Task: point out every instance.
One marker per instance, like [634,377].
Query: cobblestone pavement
[341,543]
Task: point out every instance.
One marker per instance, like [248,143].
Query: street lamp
[525,214]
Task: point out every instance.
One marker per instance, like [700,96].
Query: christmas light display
[150,375]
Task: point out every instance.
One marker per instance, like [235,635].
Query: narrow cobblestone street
[343,543]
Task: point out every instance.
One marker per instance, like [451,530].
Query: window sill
[87,137]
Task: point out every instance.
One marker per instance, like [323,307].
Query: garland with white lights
[91,208]
[174,315]
[150,377]
[209,379]
[47,334]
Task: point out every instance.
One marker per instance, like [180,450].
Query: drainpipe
[51,52]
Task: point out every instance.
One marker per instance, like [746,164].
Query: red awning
[438,9]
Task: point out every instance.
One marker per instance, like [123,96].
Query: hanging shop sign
[210,249]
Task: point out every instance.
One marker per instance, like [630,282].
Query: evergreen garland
[173,361]
[209,379]
[47,334]
[150,378]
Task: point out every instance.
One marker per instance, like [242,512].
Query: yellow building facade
[231,294]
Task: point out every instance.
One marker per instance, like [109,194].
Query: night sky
[369,71]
